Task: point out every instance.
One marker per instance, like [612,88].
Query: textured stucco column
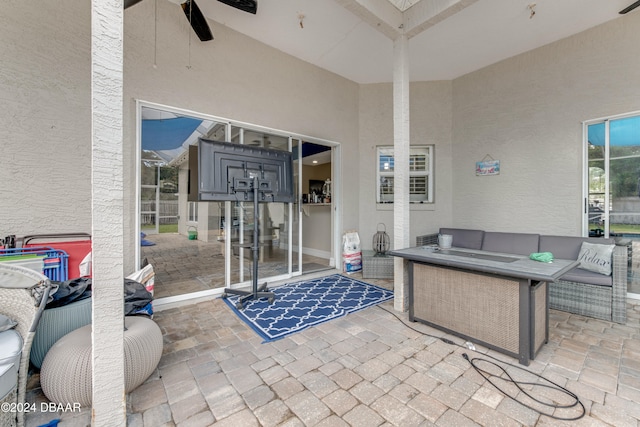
[401,142]
[107,199]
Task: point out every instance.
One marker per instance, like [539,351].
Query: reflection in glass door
[272,222]
[596,180]
[613,186]
[198,247]
[158,196]
[179,236]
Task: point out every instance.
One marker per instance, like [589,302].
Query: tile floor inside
[369,368]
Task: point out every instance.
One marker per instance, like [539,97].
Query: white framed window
[420,174]
[192,211]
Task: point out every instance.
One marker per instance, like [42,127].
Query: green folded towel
[542,256]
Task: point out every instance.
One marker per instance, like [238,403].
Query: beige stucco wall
[45,83]
[45,120]
[430,113]
[237,78]
[527,113]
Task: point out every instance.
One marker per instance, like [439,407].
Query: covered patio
[365,369]
[369,368]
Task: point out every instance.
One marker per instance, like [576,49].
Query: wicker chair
[23,296]
[601,302]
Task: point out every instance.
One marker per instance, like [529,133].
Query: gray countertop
[489,262]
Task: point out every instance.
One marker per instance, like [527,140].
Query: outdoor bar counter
[493,299]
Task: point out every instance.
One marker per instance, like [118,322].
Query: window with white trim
[420,174]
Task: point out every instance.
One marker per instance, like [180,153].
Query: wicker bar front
[481,307]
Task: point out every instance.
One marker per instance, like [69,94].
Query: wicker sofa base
[585,299]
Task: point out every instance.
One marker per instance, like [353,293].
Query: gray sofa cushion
[463,238]
[583,276]
[511,243]
[568,247]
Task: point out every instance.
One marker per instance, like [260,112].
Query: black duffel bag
[136,296]
[69,291]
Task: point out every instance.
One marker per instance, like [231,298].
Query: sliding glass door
[272,221]
[195,246]
[612,206]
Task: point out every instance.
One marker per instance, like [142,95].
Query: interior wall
[316,219]
[45,86]
[527,112]
[319,172]
[431,124]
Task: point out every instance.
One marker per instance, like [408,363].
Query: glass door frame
[585,178]
[606,209]
[298,206]
[585,174]
[336,196]
[229,224]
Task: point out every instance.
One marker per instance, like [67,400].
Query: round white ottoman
[65,375]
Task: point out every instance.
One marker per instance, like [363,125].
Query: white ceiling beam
[380,14]
[427,13]
[390,21]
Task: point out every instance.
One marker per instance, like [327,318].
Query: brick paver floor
[370,368]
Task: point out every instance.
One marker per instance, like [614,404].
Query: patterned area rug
[307,303]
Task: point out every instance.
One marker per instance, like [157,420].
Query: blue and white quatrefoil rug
[300,305]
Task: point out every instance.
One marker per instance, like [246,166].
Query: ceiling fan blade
[197,20]
[250,6]
[629,8]
[129,3]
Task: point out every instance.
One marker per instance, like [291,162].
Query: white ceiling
[403,5]
[448,38]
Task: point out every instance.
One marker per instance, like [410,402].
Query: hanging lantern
[381,242]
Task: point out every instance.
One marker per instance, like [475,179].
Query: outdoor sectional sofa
[579,291]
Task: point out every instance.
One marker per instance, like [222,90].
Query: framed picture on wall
[488,167]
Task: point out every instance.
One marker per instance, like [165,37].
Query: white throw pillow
[596,257]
